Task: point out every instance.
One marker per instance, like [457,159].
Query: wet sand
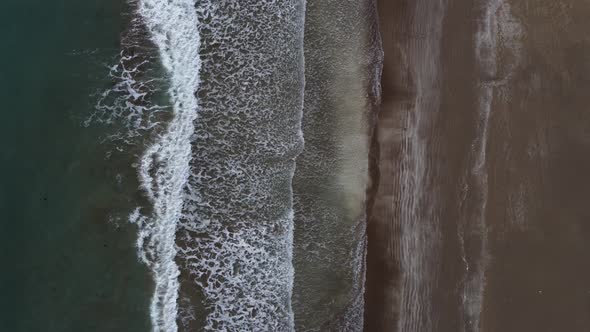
[403,228]
[538,278]
[478,219]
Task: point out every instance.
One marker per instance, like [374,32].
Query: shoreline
[422,136]
[401,232]
[332,172]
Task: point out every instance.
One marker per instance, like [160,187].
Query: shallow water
[235,235]
[332,171]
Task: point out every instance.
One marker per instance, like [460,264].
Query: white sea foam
[127,102]
[486,57]
[235,237]
[233,206]
[164,168]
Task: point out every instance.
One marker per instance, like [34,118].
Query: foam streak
[164,167]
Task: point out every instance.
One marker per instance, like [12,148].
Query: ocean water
[68,254]
[235,236]
[216,227]
[149,154]
[332,172]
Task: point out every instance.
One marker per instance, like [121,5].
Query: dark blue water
[67,253]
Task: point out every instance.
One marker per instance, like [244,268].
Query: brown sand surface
[479,220]
[539,274]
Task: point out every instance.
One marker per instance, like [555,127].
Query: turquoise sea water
[68,256]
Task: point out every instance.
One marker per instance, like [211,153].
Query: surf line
[164,167]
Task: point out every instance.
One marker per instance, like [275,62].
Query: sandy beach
[478,221]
